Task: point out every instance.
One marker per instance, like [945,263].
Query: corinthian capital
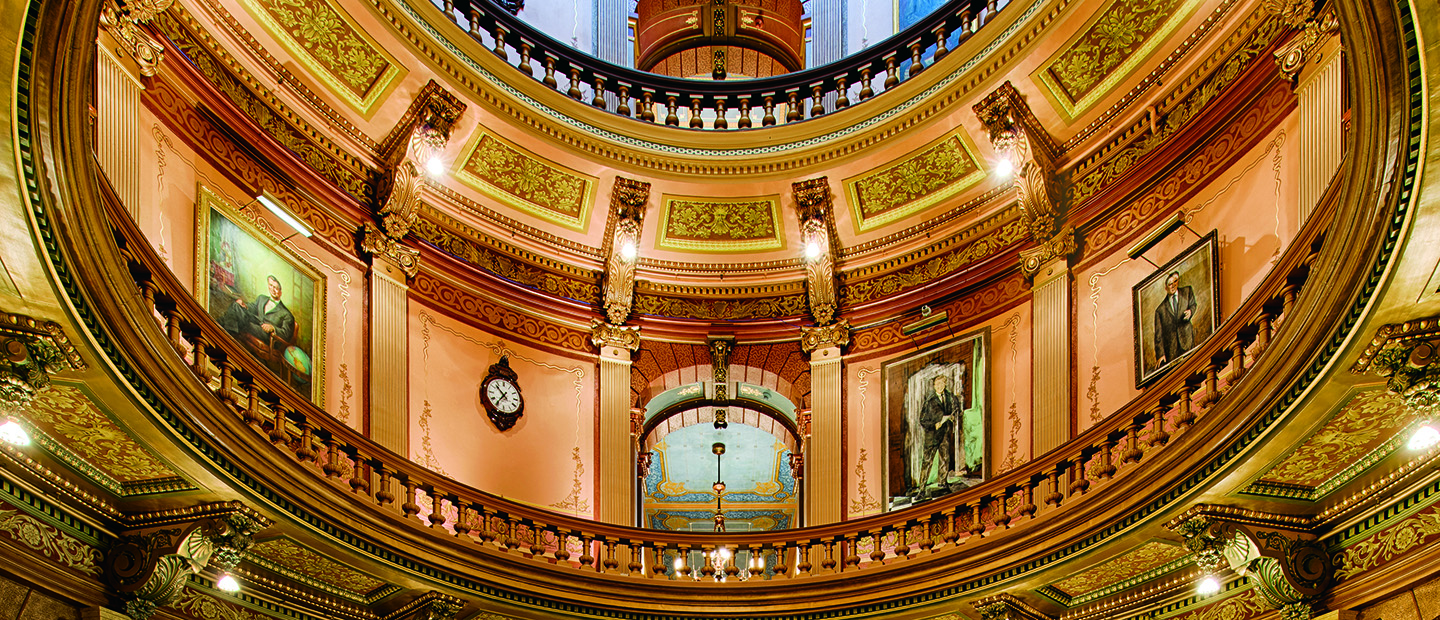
[604,334]
[836,334]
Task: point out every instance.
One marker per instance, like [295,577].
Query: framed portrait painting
[936,434]
[1176,308]
[261,292]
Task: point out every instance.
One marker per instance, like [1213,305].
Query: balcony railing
[1037,490]
[723,104]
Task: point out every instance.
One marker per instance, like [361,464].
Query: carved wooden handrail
[1123,442]
[721,105]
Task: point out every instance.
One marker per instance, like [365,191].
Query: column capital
[381,246]
[124,25]
[1293,56]
[836,335]
[1054,249]
[621,337]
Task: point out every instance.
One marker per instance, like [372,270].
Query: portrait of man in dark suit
[940,416]
[1174,334]
[265,317]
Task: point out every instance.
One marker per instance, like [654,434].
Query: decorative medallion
[1109,50]
[500,394]
[700,224]
[519,179]
[919,181]
[332,46]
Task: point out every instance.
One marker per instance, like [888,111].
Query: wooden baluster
[902,541]
[965,20]
[866,91]
[756,565]
[201,364]
[927,538]
[852,553]
[1184,417]
[842,99]
[384,493]
[586,559]
[306,451]
[877,552]
[250,413]
[1079,484]
[682,557]
[792,111]
[462,522]
[550,72]
[707,570]
[917,64]
[672,116]
[990,10]
[828,564]
[1027,504]
[731,570]
[769,112]
[1132,453]
[623,108]
[562,546]
[1106,470]
[485,522]
[1287,296]
[450,9]
[610,562]
[720,121]
[817,99]
[598,100]
[172,330]
[1054,497]
[695,121]
[952,526]
[331,466]
[410,508]
[1158,436]
[437,508]
[574,91]
[657,561]
[1001,510]
[1212,384]
[744,121]
[891,77]
[525,59]
[1265,326]
[647,106]
[1237,360]
[359,482]
[635,567]
[279,435]
[147,292]
[804,565]
[500,43]
[227,382]
[940,50]
[474,22]
[782,553]
[537,540]
[512,540]
[977,522]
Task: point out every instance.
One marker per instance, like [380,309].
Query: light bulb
[1209,585]
[812,250]
[227,583]
[1424,437]
[679,563]
[724,553]
[627,251]
[12,433]
[436,166]
[1004,167]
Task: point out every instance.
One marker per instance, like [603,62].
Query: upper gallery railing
[722,104]
[1036,490]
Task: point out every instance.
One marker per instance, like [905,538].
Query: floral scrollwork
[30,352]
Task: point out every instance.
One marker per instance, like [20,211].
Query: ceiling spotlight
[12,433]
[1208,586]
[1424,437]
[812,250]
[227,583]
[627,251]
[1004,167]
[436,166]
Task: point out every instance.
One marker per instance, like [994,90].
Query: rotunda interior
[411,310]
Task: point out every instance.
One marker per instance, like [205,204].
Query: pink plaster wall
[547,459]
[1253,206]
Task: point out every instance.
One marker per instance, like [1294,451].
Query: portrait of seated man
[264,324]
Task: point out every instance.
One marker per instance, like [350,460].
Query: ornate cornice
[1407,355]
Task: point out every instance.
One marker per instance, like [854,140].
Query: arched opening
[761,489]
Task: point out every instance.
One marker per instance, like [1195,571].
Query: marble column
[1321,130]
[616,495]
[389,361]
[1050,362]
[824,471]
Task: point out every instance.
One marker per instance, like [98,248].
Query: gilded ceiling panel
[76,431]
[701,224]
[324,39]
[919,181]
[288,557]
[1110,47]
[1368,427]
[1140,563]
[519,179]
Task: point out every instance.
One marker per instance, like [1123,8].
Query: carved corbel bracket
[1015,132]
[1006,116]
[375,242]
[814,204]
[1408,356]
[421,134]
[431,605]
[604,334]
[150,563]
[32,352]
[124,24]
[627,207]
[1007,607]
[836,334]
[1289,565]
[1292,57]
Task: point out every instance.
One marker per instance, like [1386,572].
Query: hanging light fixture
[719,450]
[13,433]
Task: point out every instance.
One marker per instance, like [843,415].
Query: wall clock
[500,393]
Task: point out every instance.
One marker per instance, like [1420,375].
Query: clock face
[503,395]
